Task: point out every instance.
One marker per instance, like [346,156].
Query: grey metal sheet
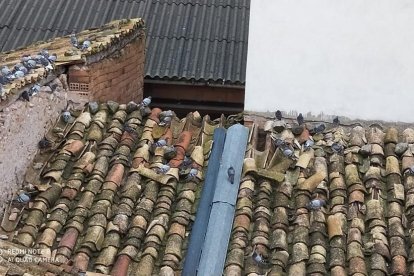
[201,40]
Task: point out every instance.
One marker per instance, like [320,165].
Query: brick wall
[119,77]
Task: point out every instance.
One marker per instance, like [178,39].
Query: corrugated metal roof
[202,40]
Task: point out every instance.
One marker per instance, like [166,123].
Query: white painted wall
[351,58]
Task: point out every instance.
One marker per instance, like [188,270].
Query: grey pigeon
[186,162]
[316,204]
[319,128]
[278,115]
[146,101]
[44,53]
[166,121]
[19,74]
[336,121]
[163,169]
[336,147]
[93,107]
[170,152]
[308,144]
[25,96]
[25,58]
[300,119]
[52,58]
[85,45]
[66,116]
[74,40]
[279,142]
[22,197]
[160,143]
[288,151]
[259,259]
[44,143]
[4,80]
[230,173]
[5,71]
[191,175]
[34,89]
[30,64]
[410,170]
[43,61]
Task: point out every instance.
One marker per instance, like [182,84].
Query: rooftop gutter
[189,83]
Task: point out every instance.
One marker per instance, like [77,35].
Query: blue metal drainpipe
[199,229]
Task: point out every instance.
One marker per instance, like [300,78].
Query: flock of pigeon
[25,66]
[28,63]
[288,149]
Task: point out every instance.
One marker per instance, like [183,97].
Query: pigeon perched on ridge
[160,143]
[146,101]
[278,115]
[231,173]
[44,53]
[74,40]
[85,45]
[336,121]
[5,71]
[319,128]
[4,80]
[300,119]
[186,162]
[52,58]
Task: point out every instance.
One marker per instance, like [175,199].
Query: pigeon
[191,175]
[74,40]
[85,45]
[25,58]
[44,53]
[288,151]
[186,162]
[93,107]
[52,58]
[66,116]
[308,144]
[163,169]
[166,121]
[129,129]
[410,170]
[300,119]
[44,143]
[5,71]
[336,147]
[336,121]
[319,128]
[231,172]
[258,258]
[278,115]
[170,152]
[30,64]
[22,197]
[24,96]
[160,143]
[19,74]
[4,80]
[146,101]
[279,142]
[34,89]
[316,204]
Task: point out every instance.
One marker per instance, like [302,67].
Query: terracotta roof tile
[359,231]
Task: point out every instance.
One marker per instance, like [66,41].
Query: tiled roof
[102,40]
[102,206]
[204,40]
[365,227]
